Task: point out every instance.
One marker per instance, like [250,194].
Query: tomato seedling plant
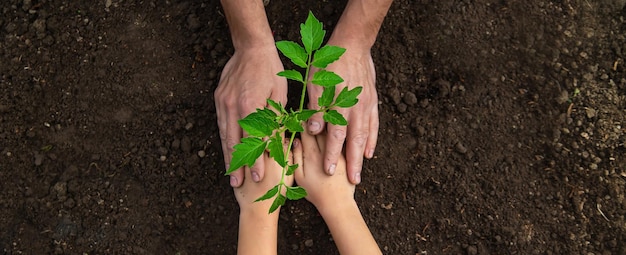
[266,127]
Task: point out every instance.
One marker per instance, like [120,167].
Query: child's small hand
[258,229]
[322,190]
[249,191]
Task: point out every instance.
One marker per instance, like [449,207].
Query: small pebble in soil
[38,159]
[472,250]
[308,243]
[460,148]
[201,153]
[401,108]
[395,96]
[410,98]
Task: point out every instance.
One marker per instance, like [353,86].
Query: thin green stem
[293,135]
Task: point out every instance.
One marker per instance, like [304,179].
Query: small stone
[410,98]
[421,131]
[201,153]
[188,126]
[472,250]
[394,94]
[38,159]
[308,243]
[402,108]
[460,148]
[591,113]
[443,86]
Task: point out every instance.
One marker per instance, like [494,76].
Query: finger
[355,146]
[372,139]
[309,143]
[316,123]
[230,134]
[257,171]
[297,159]
[334,144]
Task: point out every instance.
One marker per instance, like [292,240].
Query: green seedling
[266,127]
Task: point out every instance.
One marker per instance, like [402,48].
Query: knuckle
[339,134]
[230,142]
[248,104]
[359,138]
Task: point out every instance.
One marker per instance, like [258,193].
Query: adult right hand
[247,81]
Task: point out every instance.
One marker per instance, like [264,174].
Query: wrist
[248,23]
[337,208]
[360,22]
[259,216]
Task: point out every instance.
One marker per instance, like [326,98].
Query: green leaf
[295,193]
[335,118]
[327,97]
[326,78]
[304,115]
[294,52]
[275,147]
[293,124]
[348,98]
[312,33]
[246,153]
[270,194]
[292,75]
[276,105]
[278,201]
[260,123]
[326,55]
[291,169]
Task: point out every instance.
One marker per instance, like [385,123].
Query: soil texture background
[503,128]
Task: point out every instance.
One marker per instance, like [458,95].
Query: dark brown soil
[502,128]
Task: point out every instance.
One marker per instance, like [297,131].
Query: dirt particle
[394,95]
[460,148]
[308,243]
[410,98]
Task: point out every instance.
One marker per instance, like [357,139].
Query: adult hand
[247,81]
[357,69]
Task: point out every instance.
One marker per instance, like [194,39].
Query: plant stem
[301,107]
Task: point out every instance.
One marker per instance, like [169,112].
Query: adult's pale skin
[249,78]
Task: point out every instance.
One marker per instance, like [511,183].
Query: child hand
[258,229]
[249,191]
[322,190]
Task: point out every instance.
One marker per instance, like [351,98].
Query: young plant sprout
[266,126]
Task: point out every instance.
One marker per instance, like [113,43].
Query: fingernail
[357,178]
[255,177]
[296,143]
[233,181]
[331,169]
[314,126]
[370,153]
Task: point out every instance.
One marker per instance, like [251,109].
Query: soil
[502,128]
